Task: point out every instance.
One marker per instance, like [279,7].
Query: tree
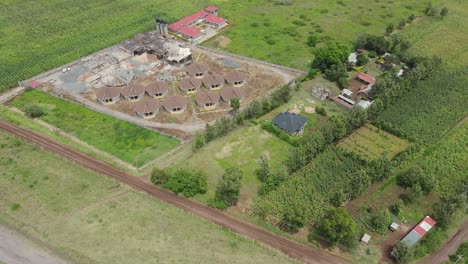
[444,12]
[413,193]
[357,117]
[199,142]
[263,173]
[362,59]
[321,110]
[390,28]
[312,40]
[235,104]
[338,227]
[380,219]
[228,188]
[34,111]
[373,43]
[159,176]
[189,183]
[403,253]
[330,54]
[336,72]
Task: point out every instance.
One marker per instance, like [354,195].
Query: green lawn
[126,141]
[371,143]
[279,33]
[93,219]
[241,148]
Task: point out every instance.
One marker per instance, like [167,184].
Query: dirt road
[14,249]
[449,246]
[243,228]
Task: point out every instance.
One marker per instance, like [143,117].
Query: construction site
[153,81]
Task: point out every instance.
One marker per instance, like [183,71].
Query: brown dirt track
[243,228]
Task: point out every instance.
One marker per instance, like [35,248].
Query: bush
[228,188]
[312,40]
[338,226]
[270,127]
[159,177]
[390,28]
[372,54]
[380,220]
[33,111]
[321,110]
[189,183]
[362,59]
[402,253]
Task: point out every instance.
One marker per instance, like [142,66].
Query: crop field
[241,148]
[371,143]
[126,141]
[430,109]
[278,33]
[445,38]
[59,203]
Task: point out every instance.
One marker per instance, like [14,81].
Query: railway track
[293,249]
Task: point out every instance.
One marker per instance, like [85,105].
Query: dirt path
[14,249]
[10,94]
[293,249]
[449,246]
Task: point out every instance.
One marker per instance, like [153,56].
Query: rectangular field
[371,143]
[90,218]
[126,141]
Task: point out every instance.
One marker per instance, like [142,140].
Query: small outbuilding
[190,85]
[147,108]
[197,70]
[394,226]
[236,78]
[157,89]
[207,100]
[365,238]
[108,95]
[213,81]
[175,104]
[134,92]
[290,123]
[229,93]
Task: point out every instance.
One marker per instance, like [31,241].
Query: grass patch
[91,218]
[371,143]
[126,141]
[241,148]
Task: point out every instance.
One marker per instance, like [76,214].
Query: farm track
[243,228]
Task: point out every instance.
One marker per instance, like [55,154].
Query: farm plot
[126,141]
[59,203]
[429,110]
[445,38]
[371,143]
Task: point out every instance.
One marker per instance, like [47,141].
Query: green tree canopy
[189,183]
[330,54]
[228,188]
[338,227]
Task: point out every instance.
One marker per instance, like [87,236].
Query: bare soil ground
[291,248]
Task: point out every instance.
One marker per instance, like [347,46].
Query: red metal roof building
[184,26]
[366,78]
[212,10]
[215,21]
[189,20]
[418,231]
[189,32]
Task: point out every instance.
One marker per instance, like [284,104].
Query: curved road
[243,228]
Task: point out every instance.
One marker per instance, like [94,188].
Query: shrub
[338,226]
[390,28]
[228,188]
[312,40]
[33,111]
[402,253]
[321,110]
[189,183]
[15,206]
[159,177]
[362,59]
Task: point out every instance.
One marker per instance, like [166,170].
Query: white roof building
[365,238]
[352,58]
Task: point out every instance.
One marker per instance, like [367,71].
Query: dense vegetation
[188,183]
[428,109]
[126,141]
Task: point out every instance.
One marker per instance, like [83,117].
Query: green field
[279,33]
[371,143]
[445,38]
[241,148]
[90,218]
[126,141]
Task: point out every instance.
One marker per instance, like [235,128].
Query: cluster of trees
[337,227]
[188,183]
[434,10]
[417,182]
[270,180]
[331,60]
[255,109]
[378,219]
[391,27]
[395,44]
[228,189]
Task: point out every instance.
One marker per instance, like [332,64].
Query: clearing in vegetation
[241,149]
[371,143]
[428,111]
[126,141]
[60,203]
